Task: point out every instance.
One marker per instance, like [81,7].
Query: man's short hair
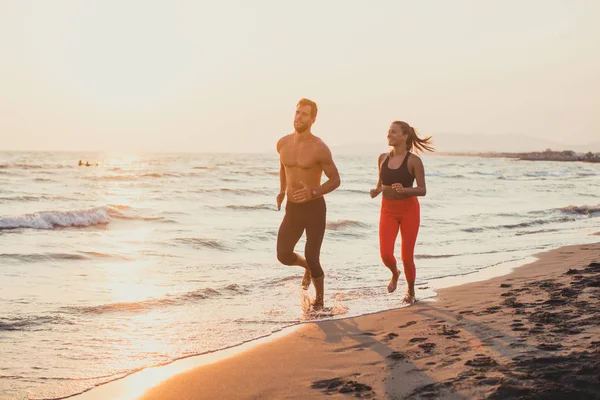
[312,104]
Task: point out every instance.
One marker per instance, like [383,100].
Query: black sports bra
[400,175]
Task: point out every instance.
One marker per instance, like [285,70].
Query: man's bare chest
[299,156]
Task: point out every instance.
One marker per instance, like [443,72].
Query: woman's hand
[375,192]
[400,192]
[398,188]
[396,192]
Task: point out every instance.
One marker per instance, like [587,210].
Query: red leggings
[403,215]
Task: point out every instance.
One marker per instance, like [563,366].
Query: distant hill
[473,143]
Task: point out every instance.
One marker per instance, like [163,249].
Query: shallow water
[148,258]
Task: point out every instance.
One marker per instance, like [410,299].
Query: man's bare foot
[317,305]
[394,281]
[306,279]
[409,299]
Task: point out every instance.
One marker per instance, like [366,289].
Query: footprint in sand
[409,323]
[549,346]
[428,347]
[490,310]
[390,336]
[482,362]
[567,292]
[555,302]
[396,355]
[417,340]
[447,331]
[310,313]
[514,303]
[449,361]
[339,385]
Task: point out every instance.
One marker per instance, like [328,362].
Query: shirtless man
[303,158]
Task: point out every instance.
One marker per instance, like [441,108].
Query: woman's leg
[388,232]
[409,229]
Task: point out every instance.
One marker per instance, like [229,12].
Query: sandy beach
[531,334]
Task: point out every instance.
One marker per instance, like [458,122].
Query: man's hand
[302,195]
[375,192]
[280,198]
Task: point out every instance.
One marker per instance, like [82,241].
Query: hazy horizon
[205,77]
[443,143]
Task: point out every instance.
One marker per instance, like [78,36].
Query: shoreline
[548,155]
[133,385]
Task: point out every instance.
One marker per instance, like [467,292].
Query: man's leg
[315,231]
[290,231]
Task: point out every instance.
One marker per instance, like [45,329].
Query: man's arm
[282,180]
[330,170]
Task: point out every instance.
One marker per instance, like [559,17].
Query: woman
[399,207]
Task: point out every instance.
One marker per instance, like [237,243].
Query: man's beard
[301,127]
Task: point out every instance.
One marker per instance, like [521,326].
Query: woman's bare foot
[409,299]
[394,281]
[306,279]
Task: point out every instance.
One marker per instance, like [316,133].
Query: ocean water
[149,258]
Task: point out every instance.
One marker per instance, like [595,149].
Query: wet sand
[531,334]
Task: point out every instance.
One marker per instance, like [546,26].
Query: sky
[198,76]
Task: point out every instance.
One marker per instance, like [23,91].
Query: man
[303,158]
